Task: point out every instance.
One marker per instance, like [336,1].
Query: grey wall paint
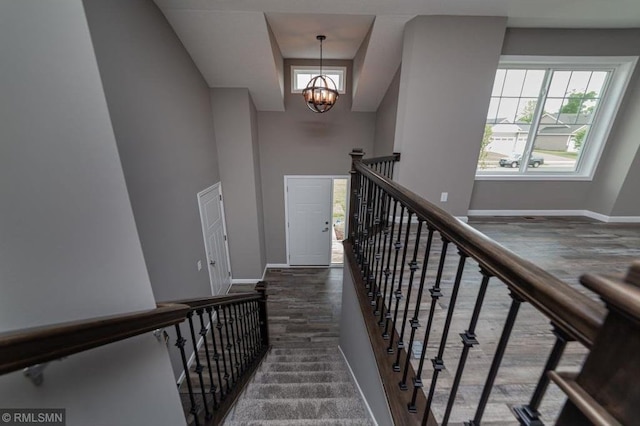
[356,346]
[235,139]
[161,115]
[386,119]
[69,248]
[628,203]
[448,67]
[258,181]
[604,191]
[300,142]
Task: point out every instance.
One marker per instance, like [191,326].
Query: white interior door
[215,240]
[309,217]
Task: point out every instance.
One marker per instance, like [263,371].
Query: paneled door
[309,220]
[215,239]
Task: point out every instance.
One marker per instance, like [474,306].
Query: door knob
[212,262]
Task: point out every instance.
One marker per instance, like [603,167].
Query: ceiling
[241,43]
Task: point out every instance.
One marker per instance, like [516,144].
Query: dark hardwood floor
[304,309]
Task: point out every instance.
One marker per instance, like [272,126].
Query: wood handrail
[24,348]
[205,302]
[373,160]
[571,311]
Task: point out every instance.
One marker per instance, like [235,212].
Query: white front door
[309,216]
[213,228]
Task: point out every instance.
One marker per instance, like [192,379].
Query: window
[300,77]
[549,118]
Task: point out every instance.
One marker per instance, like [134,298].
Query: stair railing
[230,335]
[389,226]
[231,331]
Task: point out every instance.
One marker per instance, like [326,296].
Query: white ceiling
[229,40]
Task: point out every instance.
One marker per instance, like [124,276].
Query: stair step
[303,366]
[304,357]
[291,409]
[302,377]
[300,390]
[296,351]
[300,422]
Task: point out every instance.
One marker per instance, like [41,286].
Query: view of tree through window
[539,120]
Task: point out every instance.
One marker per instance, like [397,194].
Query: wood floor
[304,309]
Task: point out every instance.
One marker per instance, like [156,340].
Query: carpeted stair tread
[291,409]
[301,422]
[296,351]
[304,357]
[303,366]
[302,377]
[300,390]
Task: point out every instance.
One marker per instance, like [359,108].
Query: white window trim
[622,68]
[340,70]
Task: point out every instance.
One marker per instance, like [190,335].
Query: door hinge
[229,273]
[220,195]
[225,238]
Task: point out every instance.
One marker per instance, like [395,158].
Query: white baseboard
[245,281]
[584,213]
[353,376]
[463,219]
[277,265]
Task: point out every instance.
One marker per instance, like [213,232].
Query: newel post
[261,288]
[610,374]
[356,157]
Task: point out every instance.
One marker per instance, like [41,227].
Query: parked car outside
[514,161]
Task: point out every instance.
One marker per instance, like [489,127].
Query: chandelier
[321,93]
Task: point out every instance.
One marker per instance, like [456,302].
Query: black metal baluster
[385,270]
[246,309]
[468,340]
[398,292]
[199,367]
[528,414]
[216,354]
[414,320]
[229,344]
[242,352]
[222,346]
[360,220]
[435,295]
[385,169]
[180,342]
[516,301]
[397,246]
[380,270]
[413,266]
[374,244]
[438,362]
[255,326]
[367,233]
[203,333]
[234,340]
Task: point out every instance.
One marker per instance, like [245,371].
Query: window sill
[532,177]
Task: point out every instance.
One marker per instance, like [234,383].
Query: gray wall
[448,67]
[356,346]
[161,116]
[386,119]
[615,168]
[240,175]
[69,248]
[300,142]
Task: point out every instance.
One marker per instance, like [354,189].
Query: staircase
[301,387]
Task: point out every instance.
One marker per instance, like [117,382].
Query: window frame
[299,69]
[620,67]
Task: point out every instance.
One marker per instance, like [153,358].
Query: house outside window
[301,75]
[549,118]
